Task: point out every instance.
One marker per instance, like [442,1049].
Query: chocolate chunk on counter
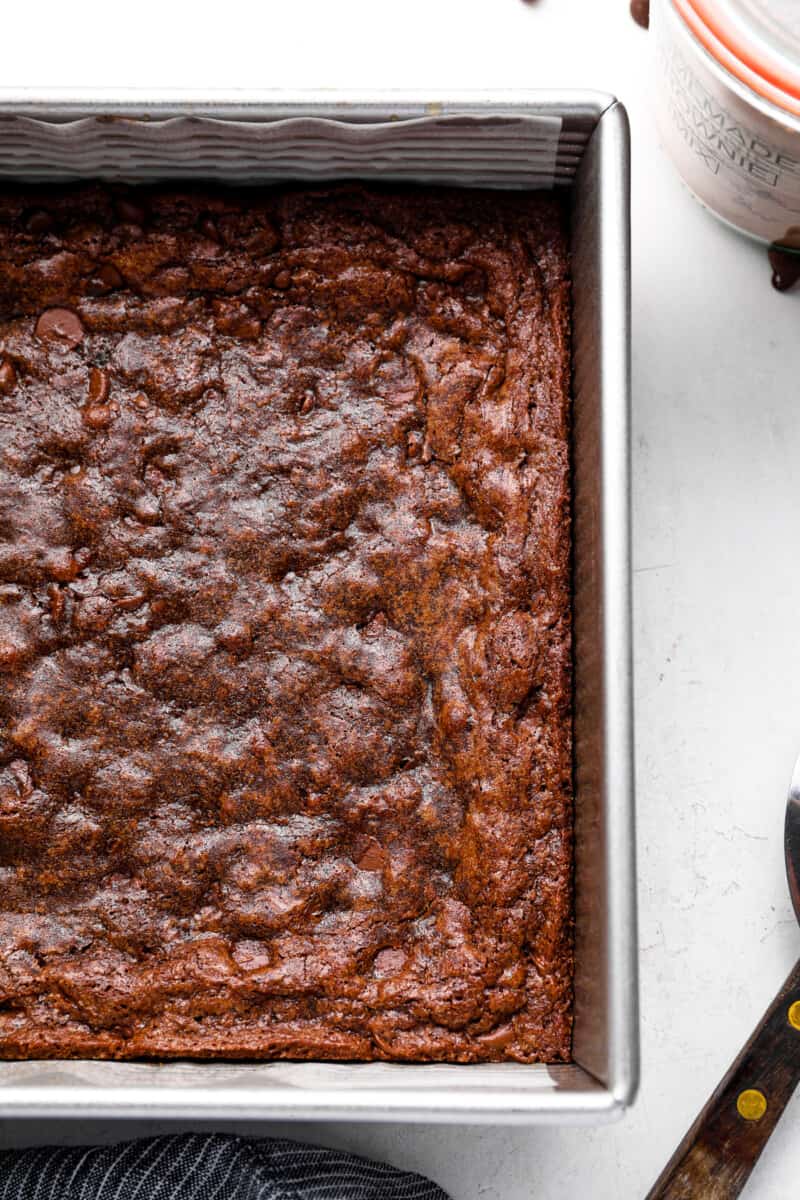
[640,11]
[784,258]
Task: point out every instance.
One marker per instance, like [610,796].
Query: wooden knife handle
[714,1160]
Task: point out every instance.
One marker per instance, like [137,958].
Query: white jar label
[742,163]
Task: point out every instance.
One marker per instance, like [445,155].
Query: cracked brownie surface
[285,700]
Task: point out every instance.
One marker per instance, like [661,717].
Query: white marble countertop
[716,357]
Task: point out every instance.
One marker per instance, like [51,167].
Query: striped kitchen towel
[190,1166]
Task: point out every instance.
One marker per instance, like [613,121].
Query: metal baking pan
[574,141]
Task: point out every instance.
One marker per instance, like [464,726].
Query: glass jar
[728,108]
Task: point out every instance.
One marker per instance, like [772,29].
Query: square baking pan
[576,142]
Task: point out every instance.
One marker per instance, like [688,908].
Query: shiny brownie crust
[285,699]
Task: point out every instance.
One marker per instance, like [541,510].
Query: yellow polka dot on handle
[794,1015]
[751,1104]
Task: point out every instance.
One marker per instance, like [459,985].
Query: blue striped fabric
[203,1167]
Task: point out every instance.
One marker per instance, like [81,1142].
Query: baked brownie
[286,704]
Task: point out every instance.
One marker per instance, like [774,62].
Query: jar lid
[758,41]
